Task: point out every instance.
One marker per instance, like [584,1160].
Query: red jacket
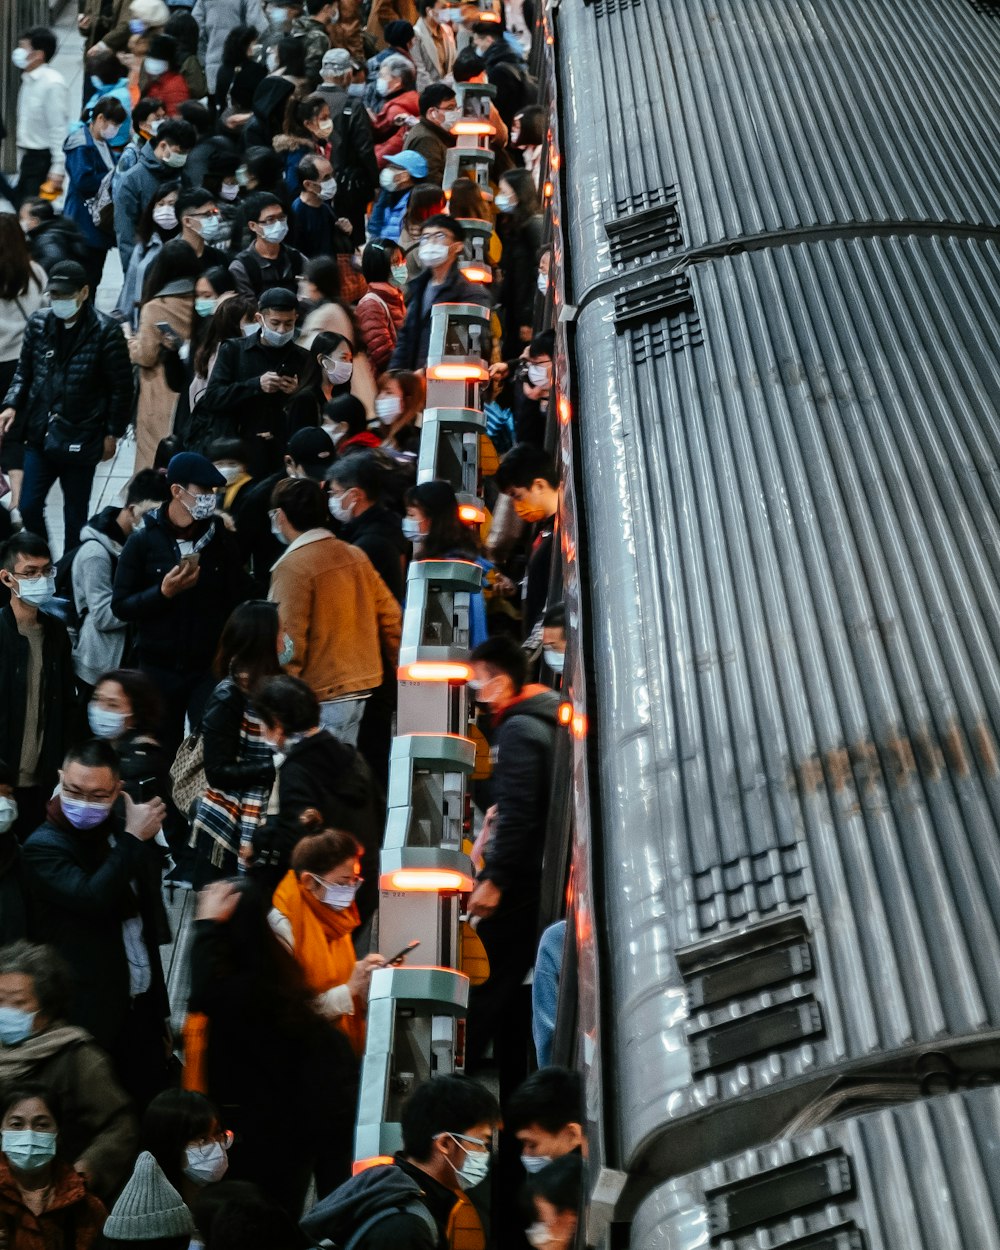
[170,88]
[70,1208]
[380,313]
[389,138]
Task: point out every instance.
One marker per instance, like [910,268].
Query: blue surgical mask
[65,309]
[535,1163]
[287,650]
[205,306]
[83,815]
[15,1025]
[27,1150]
[476,1167]
[554,659]
[276,338]
[105,724]
[209,227]
[8,814]
[411,529]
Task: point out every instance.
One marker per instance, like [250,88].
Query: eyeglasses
[32,575]
[438,236]
[270,221]
[211,212]
[87,796]
[354,881]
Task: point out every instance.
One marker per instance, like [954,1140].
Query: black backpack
[416,1207]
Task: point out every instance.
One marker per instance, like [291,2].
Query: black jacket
[220,734]
[81,889]
[13,894]
[324,773]
[73,387]
[60,239]
[258,545]
[253,274]
[414,337]
[522,746]
[378,533]
[521,242]
[394,1194]
[180,633]
[58,712]
[506,70]
[354,161]
[234,406]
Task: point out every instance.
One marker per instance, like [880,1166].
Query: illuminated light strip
[426,881]
[458,373]
[435,670]
[469,126]
[469,513]
[565,713]
[565,410]
[476,273]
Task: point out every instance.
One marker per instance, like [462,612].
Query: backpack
[415,1207]
[68,613]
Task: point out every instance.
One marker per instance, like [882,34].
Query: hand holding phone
[398,959]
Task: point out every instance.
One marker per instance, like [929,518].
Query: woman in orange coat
[313,912]
[44,1204]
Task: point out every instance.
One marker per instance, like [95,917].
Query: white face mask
[382,87]
[339,372]
[476,1167]
[20,57]
[165,216]
[505,203]
[339,510]
[387,179]
[35,590]
[205,1165]
[539,375]
[8,814]
[328,188]
[175,160]
[538,1235]
[108,131]
[230,472]
[229,191]
[275,231]
[338,897]
[431,255]
[388,409]
[334,432]
[325,127]
[272,60]
[556,661]
[411,529]
[542,282]
[154,67]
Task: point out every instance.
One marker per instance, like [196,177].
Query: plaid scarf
[224,821]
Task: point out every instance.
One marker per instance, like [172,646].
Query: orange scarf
[323,946]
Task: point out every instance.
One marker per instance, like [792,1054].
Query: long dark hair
[16,274]
[223,324]
[436,500]
[248,648]
[146,226]
[172,1120]
[523,186]
[147,703]
[176,259]
[236,48]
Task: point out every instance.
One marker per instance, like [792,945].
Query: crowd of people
[199,679]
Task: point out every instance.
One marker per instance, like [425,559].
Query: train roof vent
[646,231]
[988,8]
[608,8]
[659,296]
[675,333]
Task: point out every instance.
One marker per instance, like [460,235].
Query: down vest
[79,389]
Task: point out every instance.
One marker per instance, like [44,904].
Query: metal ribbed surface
[769,116]
[794,559]
[925,1177]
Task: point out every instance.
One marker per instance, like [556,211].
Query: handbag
[187,773]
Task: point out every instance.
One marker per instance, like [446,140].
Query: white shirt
[42,117]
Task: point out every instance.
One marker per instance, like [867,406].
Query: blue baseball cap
[187,468]
[414,164]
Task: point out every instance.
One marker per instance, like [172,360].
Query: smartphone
[193,558]
[146,789]
[398,959]
[286,370]
[168,332]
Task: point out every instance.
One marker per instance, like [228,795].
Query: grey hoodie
[337,1216]
[101,644]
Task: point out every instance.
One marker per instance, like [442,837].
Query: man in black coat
[37,681]
[70,400]
[505,70]
[353,143]
[442,241]
[92,871]
[251,389]
[365,523]
[178,579]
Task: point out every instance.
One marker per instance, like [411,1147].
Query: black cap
[278,297]
[398,33]
[312,448]
[187,468]
[67,278]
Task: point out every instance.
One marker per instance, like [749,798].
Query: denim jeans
[342,717]
[40,475]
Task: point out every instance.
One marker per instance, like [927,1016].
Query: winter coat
[385,11]
[388,214]
[100,646]
[522,746]
[414,337]
[314,231]
[378,533]
[343,622]
[81,889]
[389,137]
[433,143]
[506,70]
[254,274]
[127,308]
[220,732]
[521,242]
[157,401]
[14,314]
[72,388]
[97,1126]
[122,92]
[105,18]
[133,191]
[322,772]
[381,313]
[56,240]
[270,102]
[317,43]
[57,712]
[182,633]
[171,88]
[291,149]
[352,146]
[346,31]
[336,1218]
[216,18]
[428,56]
[86,169]
[72,1219]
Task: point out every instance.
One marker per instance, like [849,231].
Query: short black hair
[543,344]
[303,502]
[50,976]
[316,6]
[254,1225]
[144,108]
[360,469]
[487,30]
[561,1183]
[23,544]
[21,1091]
[177,131]
[555,617]
[193,112]
[228,449]
[443,221]
[550,1098]
[257,202]
[504,656]
[41,39]
[522,465]
[434,95]
[444,1104]
[40,209]
[94,753]
[468,65]
[288,702]
[193,197]
[109,107]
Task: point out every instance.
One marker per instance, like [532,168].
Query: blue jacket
[86,170]
[118,91]
[133,192]
[386,221]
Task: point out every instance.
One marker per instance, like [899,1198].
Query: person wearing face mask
[399,106]
[403,172]
[229,456]
[149,1212]
[316,229]
[42,113]
[97,847]
[178,579]
[69,401]
[314,912]
[162,159]
[545,1114]
[556,1192]
[442,240]
[520,226]
[147,117]
[322,782]
[353,144]
[308,130]
[201,226]
[160,76]
[181,1130]
[355,484]
[311,27]
[88,163]
[554,640]
[505,69]
[448,1124]
[433,46]
[37,682]
[381,311]
[527,388]
[523,726]
[527,136]
[259,386]
[527,476]
[101,636]
[269,261]
[432,136]
[41,1197]
[335,358]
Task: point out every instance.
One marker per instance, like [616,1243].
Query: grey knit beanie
[149,1207]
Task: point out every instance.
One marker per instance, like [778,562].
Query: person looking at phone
[314,913]
[178,579]
[258,383]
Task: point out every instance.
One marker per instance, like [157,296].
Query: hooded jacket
[100,645]
[86,169]
[522,749]
[133,191]
[69,1207]
[388,1188]
[269,102]
[59,239]
[506,70]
